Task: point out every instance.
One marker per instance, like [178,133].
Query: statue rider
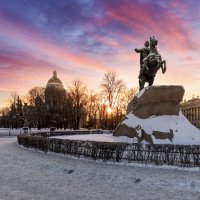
[144,52]
[154,52]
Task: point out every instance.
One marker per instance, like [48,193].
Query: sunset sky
[86,38]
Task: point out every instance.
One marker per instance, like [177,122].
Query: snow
[141,92]
[184,132]
[96,137]
[29,174]
[14,132]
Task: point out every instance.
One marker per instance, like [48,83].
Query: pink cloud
[33,40]
[148,19]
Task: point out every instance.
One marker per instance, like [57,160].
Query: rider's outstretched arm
[137,50]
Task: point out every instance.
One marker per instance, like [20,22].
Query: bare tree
[15,111]
[111,88]
[4,117]
[102,114]
[13,97]
[4,111]
[92,109]
[34,92]
[77,92]
[126,97]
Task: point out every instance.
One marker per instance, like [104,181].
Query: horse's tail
[163,66]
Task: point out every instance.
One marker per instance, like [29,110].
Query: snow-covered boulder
[155,117]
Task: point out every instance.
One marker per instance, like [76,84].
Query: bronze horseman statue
[150,62]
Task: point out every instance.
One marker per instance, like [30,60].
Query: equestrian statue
[150,62]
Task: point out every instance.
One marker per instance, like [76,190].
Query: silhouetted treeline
[72,108]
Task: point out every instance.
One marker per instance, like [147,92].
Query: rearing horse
[154,62]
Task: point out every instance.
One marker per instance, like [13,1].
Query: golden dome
[55,81]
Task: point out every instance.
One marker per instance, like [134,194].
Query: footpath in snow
[29,174]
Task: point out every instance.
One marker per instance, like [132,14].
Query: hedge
[177,155]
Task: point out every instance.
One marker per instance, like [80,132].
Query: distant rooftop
[191,102]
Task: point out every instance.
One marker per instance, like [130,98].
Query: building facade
[191,109]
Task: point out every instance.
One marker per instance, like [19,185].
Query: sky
[86,38]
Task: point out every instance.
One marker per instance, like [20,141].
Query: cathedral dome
[55,82]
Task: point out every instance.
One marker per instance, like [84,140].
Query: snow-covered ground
[14,132]
[96,137]
[32,175]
